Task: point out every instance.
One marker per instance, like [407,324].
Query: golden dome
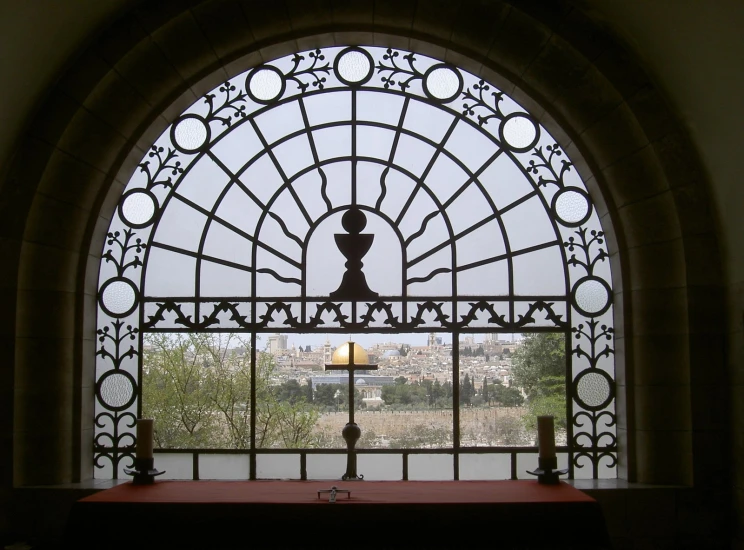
[341,355]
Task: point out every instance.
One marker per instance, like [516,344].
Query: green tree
[485,393]
[539,367]
[198,388]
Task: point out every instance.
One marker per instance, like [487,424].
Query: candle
[545,437]
[144,438]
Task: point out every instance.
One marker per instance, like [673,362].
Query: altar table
[377,514]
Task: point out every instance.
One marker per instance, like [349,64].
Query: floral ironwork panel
[349,190]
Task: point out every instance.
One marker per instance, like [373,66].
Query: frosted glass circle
[592,296]
[116,390]
[119,297]
[265,84]
[354,66]
[190,133]
[571,206]
[138,208]
[443,83]
[593,389]
[519,132]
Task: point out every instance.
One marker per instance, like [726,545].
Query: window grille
[473,217]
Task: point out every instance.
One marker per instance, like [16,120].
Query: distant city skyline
[370,340]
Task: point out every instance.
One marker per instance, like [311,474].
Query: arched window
[359,191]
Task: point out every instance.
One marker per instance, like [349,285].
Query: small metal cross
[333,492]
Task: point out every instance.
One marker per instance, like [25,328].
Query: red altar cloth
[378,514]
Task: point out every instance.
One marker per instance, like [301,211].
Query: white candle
[545,437]
[144,437]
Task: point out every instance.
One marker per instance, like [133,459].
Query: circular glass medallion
[593,389]
[118,297]
[265,84]
[190,133]
[571,206]
[116,390]
[353,66]
[442,82]
[591,296]
[137,207]
[519,132]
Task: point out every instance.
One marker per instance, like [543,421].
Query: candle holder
[547,472]
[144,471]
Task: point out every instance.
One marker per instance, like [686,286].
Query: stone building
[644,96]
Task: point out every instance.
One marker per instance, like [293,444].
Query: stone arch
[128,86]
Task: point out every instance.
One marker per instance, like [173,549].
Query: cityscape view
[197,387]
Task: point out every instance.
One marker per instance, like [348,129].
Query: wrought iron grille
[474,221]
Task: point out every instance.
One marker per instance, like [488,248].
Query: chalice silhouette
[354,246]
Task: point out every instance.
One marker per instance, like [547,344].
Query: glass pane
[175,465]
[224,466]
[430,467]
[326,466]
[197,388]
[380,467]
[492,406]
[278,466]
[406,402]
[485,466]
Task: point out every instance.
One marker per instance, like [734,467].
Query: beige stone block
[619,66]
[92,267]
[344,38]
[663,457]
[710,406]
[614,509]
[650,220]
[315,41]
[88,349]
[275,50]
[696,210]
[19,187]
[266,19]
[57,224]
[556,70]
[707,309]
[477,27]
[43,456]
[622,394]
[68,179]
[583,168]
[652,112]
[148,71]
[59,110]
[708,356]
[394,41]
[659,311]
[636,177]
[621,365]
[48,268]
[521,38]
[625,464]
[87,470]
[224,26]
[679,159]
[657,265]
[352,12]
[396,14]
[436,18]
[466,62]
[662,408]
[118,104]
[614,137]
[51,313]
[618,313]
[84,75]
[50,360]
[499,80]
[184,45]
[92,141]
[243,63]
[308,14]
[210,82]
[661,359]
[711,449]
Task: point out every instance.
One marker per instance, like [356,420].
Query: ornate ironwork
[480,220]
